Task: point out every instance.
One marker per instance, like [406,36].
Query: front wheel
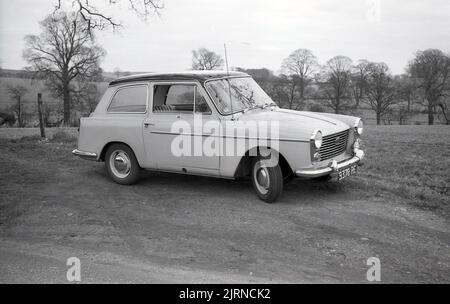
[121,164]
[267,180]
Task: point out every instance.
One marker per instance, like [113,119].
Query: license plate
[346,172]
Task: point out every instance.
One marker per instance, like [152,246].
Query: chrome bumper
[85,155]
[334,166]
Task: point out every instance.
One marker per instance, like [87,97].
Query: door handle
[146,124]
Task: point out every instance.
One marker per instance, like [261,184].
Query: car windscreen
[236,94]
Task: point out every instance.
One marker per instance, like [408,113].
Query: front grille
[333,145]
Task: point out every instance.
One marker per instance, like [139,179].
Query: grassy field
[412,162]
[173,228]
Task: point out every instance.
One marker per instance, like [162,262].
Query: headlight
[357,144]
[316,137]
[359,126]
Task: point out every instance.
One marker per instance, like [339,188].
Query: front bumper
[85,155]
[332,167]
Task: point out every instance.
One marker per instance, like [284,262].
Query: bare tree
[282,89]
[16,92]
[287,92]
[380,89]
[95,18]
[431,69]
[264,77]
[7,119]
[302,64]
[402,114]
[63,51]
[407,90]
[335,83]
[444,105]
[360,73]
[203,59]
[87,96]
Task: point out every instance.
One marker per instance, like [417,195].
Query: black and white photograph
[205,144]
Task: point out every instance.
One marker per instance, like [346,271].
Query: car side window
[173,98]
[131,99]
[201,106]
[178,98]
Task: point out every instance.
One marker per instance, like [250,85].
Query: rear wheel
[267,180]
[121,164]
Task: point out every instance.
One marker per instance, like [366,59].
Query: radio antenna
[228,81]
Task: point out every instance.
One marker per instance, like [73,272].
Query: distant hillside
[11,77]
[15,77]
[34,86]
[29,100]
[24,74]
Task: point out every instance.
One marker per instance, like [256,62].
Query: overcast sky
[258,33]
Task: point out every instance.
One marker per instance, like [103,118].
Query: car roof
[188,75]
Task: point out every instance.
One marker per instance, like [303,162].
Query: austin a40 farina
[215,124]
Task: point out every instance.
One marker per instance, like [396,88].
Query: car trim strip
[234,137]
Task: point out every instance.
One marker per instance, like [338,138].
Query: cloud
[274,28]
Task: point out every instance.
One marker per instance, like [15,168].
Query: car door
[123,117]
[174,131]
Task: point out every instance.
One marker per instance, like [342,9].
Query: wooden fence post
[41,119]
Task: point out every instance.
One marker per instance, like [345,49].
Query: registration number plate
[346,172]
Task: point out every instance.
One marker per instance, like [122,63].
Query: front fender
[296,153]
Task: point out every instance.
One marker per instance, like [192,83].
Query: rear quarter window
[132,99]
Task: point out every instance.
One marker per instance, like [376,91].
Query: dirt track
[173,228]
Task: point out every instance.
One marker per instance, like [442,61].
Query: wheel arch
[243,168]
[109,144]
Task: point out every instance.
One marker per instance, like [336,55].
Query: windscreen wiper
[250,108]
[271,104]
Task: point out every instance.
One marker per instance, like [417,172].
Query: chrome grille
[333,145]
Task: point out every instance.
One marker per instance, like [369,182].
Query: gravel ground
[175,228]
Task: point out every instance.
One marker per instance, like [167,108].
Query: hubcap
[261,176]
[120,163]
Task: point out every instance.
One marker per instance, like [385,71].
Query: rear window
[129,100]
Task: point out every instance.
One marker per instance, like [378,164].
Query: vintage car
[215,123]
